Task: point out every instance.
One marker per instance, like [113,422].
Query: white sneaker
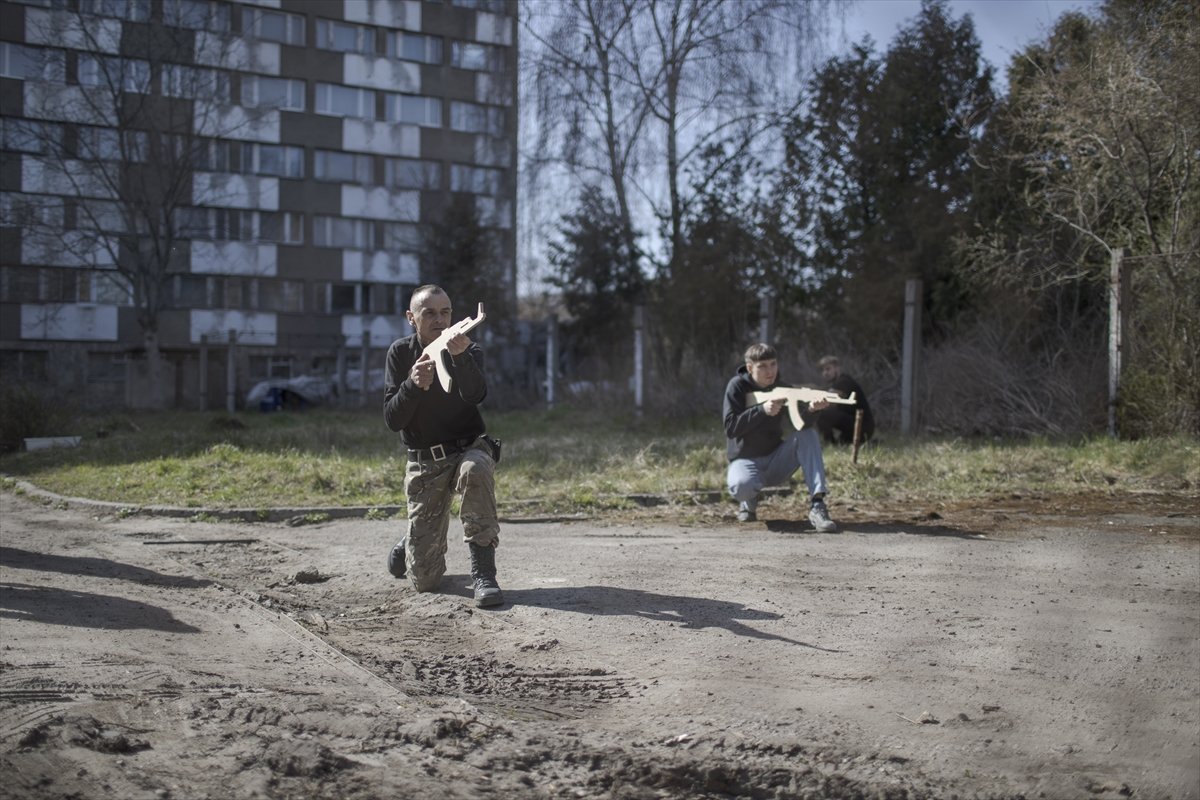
[818,515]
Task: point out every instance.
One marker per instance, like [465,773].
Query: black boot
[396,564]
[483,571]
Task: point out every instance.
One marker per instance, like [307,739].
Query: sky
[1004,27]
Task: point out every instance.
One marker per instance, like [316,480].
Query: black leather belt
[440,452]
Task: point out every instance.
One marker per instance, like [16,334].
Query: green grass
[558,461]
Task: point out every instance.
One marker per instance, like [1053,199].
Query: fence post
[911,355]
[364,352]
[1118,290]
[639,366]
[551,357]
[342,387]
[231,374]
[203,389]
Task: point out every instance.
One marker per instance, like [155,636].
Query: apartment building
[251,182]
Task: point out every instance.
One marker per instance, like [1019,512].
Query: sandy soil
[1025,647]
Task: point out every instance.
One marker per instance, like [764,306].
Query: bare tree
[590,117]
[129,152]
[637,90]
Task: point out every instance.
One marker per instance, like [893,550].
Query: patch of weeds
[316,518]
[9,485]
[125,512]
[376,514]
[262,514]
[204,516]
[583,498]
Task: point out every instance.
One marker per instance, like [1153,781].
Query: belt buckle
[438,452]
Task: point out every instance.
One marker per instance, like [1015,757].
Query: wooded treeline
[696,164]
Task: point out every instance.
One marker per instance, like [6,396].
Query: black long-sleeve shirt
[749,430]
[427,417]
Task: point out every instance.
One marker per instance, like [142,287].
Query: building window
[216,224]
[477,180]
[345,101]
[472,55]
[235,292]
[195,83]
[330,165]
[413,109]
[281,227]
[22,365]
[491,6]
[198,15]
[402,237]
[273,159]
[343,298]
[105,144]
[411,173]
[354,234]
[60,285]
[274,26]
[381,298]
[414,47]
[19,284]
[31,63]
[278,295]
[191,291]
[107,287]
[105,216]
[132,10]
[205,155]
[474,118]
[29,136]
[283,93]
[31,211]
[124,74]
[345,37]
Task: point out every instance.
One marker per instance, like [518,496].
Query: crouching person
[760,452]
[448,451]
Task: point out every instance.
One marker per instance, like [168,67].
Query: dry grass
[562,461]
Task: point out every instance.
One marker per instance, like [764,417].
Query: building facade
[198,195]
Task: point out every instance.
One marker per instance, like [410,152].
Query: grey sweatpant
[430,486]
[802,450]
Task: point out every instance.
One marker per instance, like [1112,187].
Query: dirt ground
[1020,647]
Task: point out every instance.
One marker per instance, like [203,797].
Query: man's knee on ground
[426,584]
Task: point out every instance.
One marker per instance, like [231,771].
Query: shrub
[24,412]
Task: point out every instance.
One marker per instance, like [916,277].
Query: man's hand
[423,370]
[818,405]
[458,344]
[773,407]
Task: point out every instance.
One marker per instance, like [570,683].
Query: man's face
[429,316]
[763,373]
[830,371]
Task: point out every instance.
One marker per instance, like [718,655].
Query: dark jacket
[837,422]
[750,431]
[426,417]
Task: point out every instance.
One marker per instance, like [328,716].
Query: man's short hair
[828,361]
[421,291]
[760,351]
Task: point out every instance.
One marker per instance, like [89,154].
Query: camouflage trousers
[431,486]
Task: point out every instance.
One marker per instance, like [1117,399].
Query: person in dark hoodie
[837,423]
[761,453]
[448,450]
